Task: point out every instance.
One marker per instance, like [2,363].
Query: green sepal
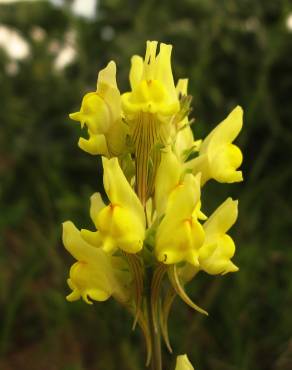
[143,323]
[155,290]
[185,108]
[164,314]
[178,287]
[138,283]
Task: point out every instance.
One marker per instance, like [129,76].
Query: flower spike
[151,218]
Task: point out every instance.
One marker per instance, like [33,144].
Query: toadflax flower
[153,89]
[218,158]
[150,236]
[179,235]
[93,276]
[219,248]
[101,112]
[121,224]
[149,109]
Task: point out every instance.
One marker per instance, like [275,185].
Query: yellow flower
[179,235]
[93,276]
[218,157]
[219,248]
[153,89]
[121,224]
[149,109]
[101,112]
[183,363]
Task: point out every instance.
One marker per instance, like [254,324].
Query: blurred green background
[234,52]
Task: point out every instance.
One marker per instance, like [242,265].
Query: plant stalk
[156,360]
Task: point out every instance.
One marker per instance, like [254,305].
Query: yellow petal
[94,112]
[96,205]
[223,218]
[75,244]
[76,116]
[226,131]
[182,86]
[198,213]
[183,363]
[149,60]
[136,71]
[184,198]
[74,295]
[219,248]
[200,165]
[218,157]
[184,140]
[96,144]
[164,71]
[215,258]
[118,189]
[108,90]
[153,89]
[179,241]
[179,235]
[101,112]
[122,223]
[92,237]
[167,178]
[93,276]
[120,228]
[224,163]
[107,77]
[89,283]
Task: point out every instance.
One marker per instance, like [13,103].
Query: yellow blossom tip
[107,75]
[76,116]
[183,363]
[230,268]
[182,86]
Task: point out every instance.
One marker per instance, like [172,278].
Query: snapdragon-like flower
[150,232]
[121,224]
[101,112]
[218,158]
[219,248]
[93,276]
[180,235]
[153,89]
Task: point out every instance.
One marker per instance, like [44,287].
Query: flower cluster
[151,224]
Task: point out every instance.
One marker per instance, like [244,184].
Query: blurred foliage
[234,52]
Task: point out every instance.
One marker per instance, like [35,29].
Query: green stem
[156,360]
